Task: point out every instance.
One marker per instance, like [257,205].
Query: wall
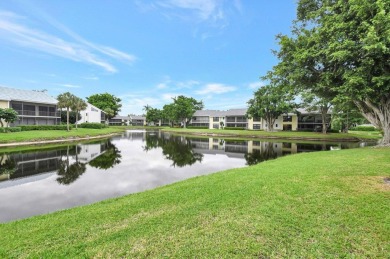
[4,104]
[91,114]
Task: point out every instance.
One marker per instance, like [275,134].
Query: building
[92,114]
[136,120]
[120,120]
[33,107]
[236,118]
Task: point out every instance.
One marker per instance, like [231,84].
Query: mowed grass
[40,135]
[311,205]
[294,135]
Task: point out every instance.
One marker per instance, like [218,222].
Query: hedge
[90,125]
[44,127]
[10,129]
[235,128]
[195,127]
[364,128]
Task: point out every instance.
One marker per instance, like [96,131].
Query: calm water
[46,180]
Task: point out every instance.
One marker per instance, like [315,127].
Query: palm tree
[77,106]
[66,100]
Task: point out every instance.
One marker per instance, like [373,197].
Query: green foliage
[153,114]
[234,128]
[269,103]
[44,127]
[65,101]
[111,157]
[9,115]
[364,128]
[72,117]
[94,125]
[183,108]
[10,129]
[77,106]
[108,103]
[340,50]
[197,127]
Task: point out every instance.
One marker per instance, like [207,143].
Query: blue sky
[144,52]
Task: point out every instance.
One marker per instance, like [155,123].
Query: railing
[34,113]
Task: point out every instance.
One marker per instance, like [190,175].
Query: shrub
[364,128]
[10,129]
[235,128]
[91,125]
[44,127]
[197,127]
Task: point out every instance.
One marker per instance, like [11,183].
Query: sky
[143,51]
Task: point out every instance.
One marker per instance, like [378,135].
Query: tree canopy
[183,108]
[269,103]
[108,103]
[65,100]
[341,50]
[9,115]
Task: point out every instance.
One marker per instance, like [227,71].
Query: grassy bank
[293,135]
[41,135]
[316,205]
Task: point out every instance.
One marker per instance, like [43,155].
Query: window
[276,125]
[287,119]
[215,119]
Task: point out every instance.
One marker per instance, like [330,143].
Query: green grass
[311,205]
[39,135]
[354,136]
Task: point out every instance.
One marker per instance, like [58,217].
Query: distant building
[120,120]
[33,107]
[92,114]
[136,120]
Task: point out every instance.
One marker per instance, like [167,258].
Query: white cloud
[216,89]
[256,85]
[206,9]
[69,85]
[12,30]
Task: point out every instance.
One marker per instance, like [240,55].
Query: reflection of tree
[7,165]
[111,157]
[177,149]
[259,156]
[70,172]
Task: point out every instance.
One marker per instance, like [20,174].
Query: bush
[235,128]
[197,127]
[364,128]
[91,125]
[44,127]
[10,129]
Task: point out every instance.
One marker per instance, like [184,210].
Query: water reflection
[177,149]
[44,180]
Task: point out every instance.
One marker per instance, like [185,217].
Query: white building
[92,115]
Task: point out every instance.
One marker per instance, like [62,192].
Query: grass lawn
[39,135]
[353,136]
[313,205]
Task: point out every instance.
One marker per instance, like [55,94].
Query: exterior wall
[35,113]
[91,114]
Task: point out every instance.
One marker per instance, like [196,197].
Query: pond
[44,180]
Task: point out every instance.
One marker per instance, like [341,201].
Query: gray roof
[12,94]
[236,112]
[210,113]
[137,117]
[118,117]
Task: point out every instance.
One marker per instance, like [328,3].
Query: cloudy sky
[143,51]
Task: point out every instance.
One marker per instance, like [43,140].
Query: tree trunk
[184,123]
[270,123]
[77,118]
[324,111]
[378,115]
[1,122]
[67,118]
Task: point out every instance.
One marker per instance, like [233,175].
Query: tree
[345,115]
[184,108]
[106,102]
[77,106]
[66,100]
[9,115]
[168,113]
[72,116]
[269,103]
[341,50]
[111,157]
[153,115]
[319,104]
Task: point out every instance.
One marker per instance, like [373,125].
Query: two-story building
[33,107]
[92,114]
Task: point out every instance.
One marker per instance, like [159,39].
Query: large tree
[66,100]
[106,102]
[341,49]
[9,115]
[313,103]
[184,107]
[269,102]
[153,115]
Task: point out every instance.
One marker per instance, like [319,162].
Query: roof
[12,94]
[304,111]
[210,113]
[137,117]
[118,117]
[236,112]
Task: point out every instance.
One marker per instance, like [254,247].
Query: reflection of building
[236,118]
[33,107]
[88,152]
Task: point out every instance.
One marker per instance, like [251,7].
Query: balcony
[41,113]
